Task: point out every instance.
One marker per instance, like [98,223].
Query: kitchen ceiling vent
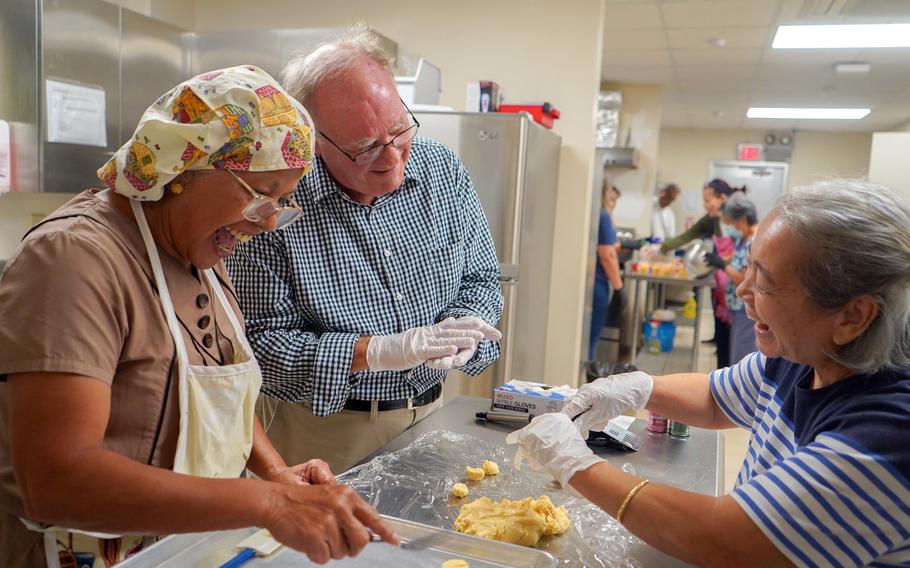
[881,11]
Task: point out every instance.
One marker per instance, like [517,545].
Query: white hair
[308,69]
[856,237]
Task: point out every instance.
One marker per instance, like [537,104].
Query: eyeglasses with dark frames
[262,207]
[372,153]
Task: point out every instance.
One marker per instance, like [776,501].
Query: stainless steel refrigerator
[514,164]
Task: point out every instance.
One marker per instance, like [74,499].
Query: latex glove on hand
[406,350]
[648,252]
[597,403]
[619,301]
[715,260]
[462,357]
[551,442]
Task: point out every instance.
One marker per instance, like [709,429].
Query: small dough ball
[455,563]
[490,467]
[459,490]
[474,473]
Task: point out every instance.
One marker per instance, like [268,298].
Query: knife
[421,543]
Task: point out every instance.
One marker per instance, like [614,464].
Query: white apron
[217,403]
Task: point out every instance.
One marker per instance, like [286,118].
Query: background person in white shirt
[663,222]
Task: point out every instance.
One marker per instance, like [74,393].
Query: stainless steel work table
[693,464]
[648,279]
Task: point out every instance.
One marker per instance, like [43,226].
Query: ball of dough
[455,563]
[474,473]
[459,490]
[490,467]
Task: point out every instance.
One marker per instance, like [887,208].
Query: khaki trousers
[341,439]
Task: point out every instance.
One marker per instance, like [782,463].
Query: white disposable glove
[461,358]
[648,252]
[606,398]
[552,442]
[406,350]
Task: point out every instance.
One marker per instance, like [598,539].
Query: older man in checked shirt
[390,278]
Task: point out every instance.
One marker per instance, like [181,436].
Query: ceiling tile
[697,38]
[713,56]
[719,13]
[632,16]
[634,39]
[814,56]
[724,73]
[637,57]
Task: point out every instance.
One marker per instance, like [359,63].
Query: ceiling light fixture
[842,36]
[808,113]
[852,68]
[716,42]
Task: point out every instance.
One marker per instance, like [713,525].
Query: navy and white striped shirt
[414,257]
[827,474]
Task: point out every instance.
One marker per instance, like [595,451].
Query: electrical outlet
[36,218]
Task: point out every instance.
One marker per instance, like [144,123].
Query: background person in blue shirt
[607,277]
[390,278]
[826,480]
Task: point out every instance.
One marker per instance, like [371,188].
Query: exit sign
[747,151]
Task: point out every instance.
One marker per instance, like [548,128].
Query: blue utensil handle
[241,557]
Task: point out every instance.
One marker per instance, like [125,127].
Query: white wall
[685,154]
[536,50]
[640,116]
[888,161]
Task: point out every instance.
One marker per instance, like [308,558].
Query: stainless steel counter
[693,464]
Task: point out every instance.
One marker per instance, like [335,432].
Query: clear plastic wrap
[415,483]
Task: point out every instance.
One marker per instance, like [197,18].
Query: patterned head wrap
[237,118]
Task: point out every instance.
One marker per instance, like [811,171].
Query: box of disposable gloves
[524,397]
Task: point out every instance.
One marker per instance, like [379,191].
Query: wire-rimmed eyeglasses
[372,153]
[262,207]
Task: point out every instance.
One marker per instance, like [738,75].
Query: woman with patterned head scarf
[129,385]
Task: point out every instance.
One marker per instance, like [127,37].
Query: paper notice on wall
[6,158]
[75,114]
[691,203]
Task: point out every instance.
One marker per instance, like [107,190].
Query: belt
[422,399]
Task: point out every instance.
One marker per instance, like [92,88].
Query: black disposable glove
[715,260]
[618,301]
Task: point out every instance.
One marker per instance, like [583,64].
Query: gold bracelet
[628,499]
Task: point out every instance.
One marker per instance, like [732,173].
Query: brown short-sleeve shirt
[79,297]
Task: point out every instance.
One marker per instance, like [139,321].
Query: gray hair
[738,206]
[857,240]
[307,69]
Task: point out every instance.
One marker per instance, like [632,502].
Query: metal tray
[215,548]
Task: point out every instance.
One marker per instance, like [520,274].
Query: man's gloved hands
[461,358]
[606,398]
[715,260]
[552,442]
[406,350]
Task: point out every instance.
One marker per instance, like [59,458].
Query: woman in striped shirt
[826,481]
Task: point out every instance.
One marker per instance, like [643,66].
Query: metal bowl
[694,259]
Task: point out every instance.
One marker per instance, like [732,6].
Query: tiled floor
[735,439]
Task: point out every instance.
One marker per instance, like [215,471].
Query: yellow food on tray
[459,490]
[455,563]
[490,467]
[474,473]
[518,522]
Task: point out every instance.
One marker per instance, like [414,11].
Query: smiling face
[203,224]
[358,109]
[712,201]
[787,324]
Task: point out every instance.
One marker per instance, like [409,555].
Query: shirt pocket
[444,267]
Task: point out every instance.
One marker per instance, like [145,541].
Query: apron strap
[167,306]
[219,292]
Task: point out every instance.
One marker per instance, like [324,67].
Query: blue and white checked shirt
[414,257]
